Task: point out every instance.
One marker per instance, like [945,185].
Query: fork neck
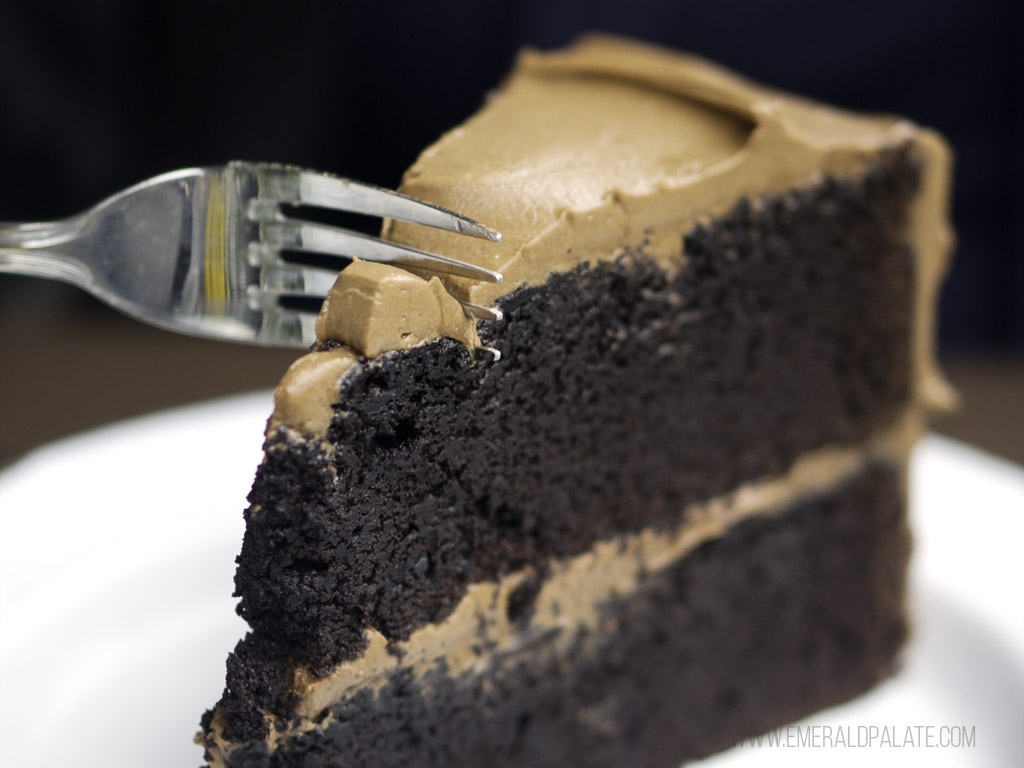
[40,235]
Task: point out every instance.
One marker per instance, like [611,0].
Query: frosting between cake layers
[573,590]
[610,146]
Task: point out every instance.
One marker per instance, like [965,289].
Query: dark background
[96,96]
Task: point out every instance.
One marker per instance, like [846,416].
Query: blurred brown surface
[57,379]
[991,412]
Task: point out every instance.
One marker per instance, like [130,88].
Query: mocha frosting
[377,308]
[606,146]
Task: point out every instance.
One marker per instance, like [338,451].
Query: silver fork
[200,251]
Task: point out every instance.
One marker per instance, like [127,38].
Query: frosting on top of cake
[604,147]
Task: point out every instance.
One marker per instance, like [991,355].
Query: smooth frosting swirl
[612,145]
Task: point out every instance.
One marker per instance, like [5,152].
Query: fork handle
[28,249]
[46,264]
[41,234]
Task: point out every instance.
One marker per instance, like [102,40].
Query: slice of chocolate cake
[660,505]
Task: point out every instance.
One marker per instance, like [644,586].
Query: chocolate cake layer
[783,614]
[621,394]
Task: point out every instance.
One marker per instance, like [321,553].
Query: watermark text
[866,736]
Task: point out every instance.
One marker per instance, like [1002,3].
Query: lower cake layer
[782,615]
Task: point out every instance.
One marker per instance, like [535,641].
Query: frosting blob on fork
[374,308]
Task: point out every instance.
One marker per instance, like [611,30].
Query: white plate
[116,615]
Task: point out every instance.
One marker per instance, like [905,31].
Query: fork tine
[285,184]
[320,238]
[293,280]
[283,279]
[292,326]
[480,312]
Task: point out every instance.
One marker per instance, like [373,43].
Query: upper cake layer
[610,146]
